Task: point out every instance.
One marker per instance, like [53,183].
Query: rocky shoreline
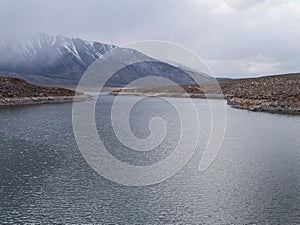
[274,94]
[43,100]
[14,91]
[168,95]
[257,105]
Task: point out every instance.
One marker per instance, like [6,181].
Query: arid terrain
[278,93]
[15,91]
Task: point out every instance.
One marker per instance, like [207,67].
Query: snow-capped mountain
[58,60]
[50,56]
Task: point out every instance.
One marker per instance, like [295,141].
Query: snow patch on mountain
[40,52]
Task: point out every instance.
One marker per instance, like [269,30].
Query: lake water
[44,179]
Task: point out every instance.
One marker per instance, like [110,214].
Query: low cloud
[237,38]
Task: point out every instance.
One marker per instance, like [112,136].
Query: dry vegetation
[280,93]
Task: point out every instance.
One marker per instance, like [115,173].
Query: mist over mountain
[59,60]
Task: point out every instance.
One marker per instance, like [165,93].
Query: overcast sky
[237,38]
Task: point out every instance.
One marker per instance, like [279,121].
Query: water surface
[44,178]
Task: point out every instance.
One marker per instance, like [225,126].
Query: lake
[255,178]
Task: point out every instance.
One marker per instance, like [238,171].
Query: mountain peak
[49,55]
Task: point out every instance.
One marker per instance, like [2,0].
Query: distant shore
[238,103]
[274,94]
[171,95]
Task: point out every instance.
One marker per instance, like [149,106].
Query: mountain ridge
[58,60]
[49,55]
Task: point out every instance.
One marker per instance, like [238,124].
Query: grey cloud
[235,37]
[244,4]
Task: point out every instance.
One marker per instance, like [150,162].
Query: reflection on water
[44,179]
